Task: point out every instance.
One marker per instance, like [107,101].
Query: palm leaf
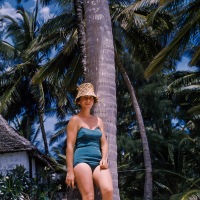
[187,80]
[26,23]
[8,51]
[128,17]
[8,95]
[63,24]
[190,181]
[157,63]
[196,57]
[34,16]
[195,110]
[60,2]
[57,135]
[187,195]
[65,54]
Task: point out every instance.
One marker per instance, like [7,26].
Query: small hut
[16,150]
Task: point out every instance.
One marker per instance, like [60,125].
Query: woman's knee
[107,190]
[88,196]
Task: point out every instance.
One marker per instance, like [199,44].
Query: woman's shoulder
[74,119]
[99,119]
[73,123]
[100,122]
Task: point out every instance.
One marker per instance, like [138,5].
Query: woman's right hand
[70,179]
[104,164]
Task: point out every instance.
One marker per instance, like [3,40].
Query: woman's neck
[85,113]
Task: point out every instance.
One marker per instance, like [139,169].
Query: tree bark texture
[78,5]
[100,71]
[39,98]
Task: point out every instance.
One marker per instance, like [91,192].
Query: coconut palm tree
[106,94]
[21,32]
[44,70]
[100,72]
[184,41]
[26,53]
[92,28]
[146,152]
[137,38]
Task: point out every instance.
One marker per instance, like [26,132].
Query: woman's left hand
[70,179]
[104,164]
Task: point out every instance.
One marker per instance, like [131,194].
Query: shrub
[17,185]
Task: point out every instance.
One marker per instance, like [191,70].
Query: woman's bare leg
[102,178]
[83,174]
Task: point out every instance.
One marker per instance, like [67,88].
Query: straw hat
[86,89]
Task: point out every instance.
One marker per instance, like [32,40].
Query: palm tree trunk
[38,94]
[100,72]
[146,152]
[78,5]
[41,120]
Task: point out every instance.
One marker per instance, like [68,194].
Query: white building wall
[33,167]
[8,161]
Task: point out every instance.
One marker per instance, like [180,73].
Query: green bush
[17,185]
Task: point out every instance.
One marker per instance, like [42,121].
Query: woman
[87,149]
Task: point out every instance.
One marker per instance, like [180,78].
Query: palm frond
[60,2]
[57,135]
[141,45]
[38,94]
[20,30]
[128,16]
[8,51]
[187,195]
[163,186]
[171,50]
[41,44]
[172,173]
[8,95]
[195,110]
[160,23]
[63,57]
[26,23]
[186,140]
[188,80]
[62,156]
[35,16]
[196,57]
[62,24]
[51,37]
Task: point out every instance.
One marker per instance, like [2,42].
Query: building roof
[11,141]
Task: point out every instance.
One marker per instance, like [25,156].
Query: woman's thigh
[84,179]
[102,178]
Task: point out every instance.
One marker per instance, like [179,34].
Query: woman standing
[87,149]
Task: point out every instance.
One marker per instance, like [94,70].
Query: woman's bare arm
[104,147]
[72,129]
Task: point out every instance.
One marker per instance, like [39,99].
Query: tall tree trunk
[146,152]
[78,5]
[38,94]
[41,120]
[100,72]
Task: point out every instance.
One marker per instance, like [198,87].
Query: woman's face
[86,101]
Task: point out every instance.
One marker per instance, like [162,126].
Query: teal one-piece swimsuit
[87,147]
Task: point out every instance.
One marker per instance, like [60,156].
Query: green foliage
[14,184]
[141,29]
[187,195]
[174,147]
[17,184]
[186,36]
